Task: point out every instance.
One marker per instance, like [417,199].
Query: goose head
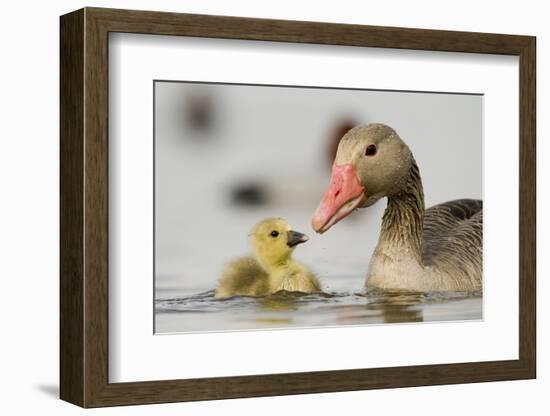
[372,162]
[274,241]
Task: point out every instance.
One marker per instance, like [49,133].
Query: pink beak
[343,195]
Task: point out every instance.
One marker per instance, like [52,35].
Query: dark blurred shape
[199,112]
[340,129]
[250,194]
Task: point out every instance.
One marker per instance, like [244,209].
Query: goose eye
[274,233]
[371,150]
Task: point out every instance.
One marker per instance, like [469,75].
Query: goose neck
[403,220]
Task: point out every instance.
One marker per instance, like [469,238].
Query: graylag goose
[272,269]
[421,250]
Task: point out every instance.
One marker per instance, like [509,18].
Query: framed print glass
[234,187]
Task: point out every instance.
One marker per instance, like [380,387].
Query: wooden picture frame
[84,207]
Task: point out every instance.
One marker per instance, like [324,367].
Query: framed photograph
[254,207]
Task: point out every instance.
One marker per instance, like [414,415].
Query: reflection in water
[204,312]
[278,302]
[398,307]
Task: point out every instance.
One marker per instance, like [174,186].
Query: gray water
[202,312]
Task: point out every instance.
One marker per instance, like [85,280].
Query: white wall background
[29,212]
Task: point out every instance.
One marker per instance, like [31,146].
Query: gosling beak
[294,238]
[343,195]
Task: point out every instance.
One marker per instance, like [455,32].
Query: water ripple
[292,309]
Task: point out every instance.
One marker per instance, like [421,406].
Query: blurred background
[227,156]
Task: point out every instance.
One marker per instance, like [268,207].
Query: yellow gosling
[272,269]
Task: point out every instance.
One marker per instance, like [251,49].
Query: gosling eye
[274,233]
[371,150]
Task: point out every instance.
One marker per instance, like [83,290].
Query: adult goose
[437,249]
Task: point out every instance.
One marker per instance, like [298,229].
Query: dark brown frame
[84,210]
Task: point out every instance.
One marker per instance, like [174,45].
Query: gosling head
[274,241]
[371,162]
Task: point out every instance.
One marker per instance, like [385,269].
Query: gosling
[272,269]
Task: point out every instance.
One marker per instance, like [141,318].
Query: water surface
[203,312]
